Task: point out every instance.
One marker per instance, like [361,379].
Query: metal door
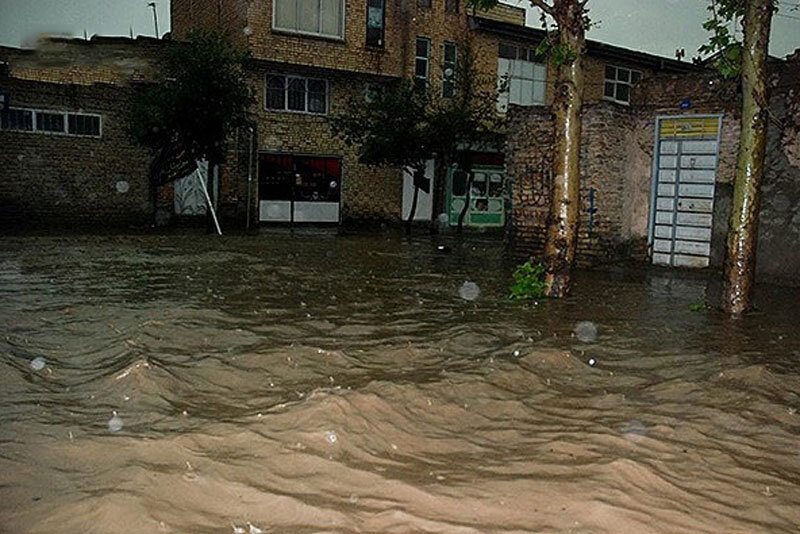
[487,197]
[189,196]
[684,174]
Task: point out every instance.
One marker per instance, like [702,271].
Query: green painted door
[487,198]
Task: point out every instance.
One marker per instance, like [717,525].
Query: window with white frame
[618,83]
[296,94]
[50,121]
[450,57]
[521,80]
[422,62]
[324,18]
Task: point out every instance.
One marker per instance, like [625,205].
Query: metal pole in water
[208,199]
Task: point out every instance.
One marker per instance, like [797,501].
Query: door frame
[651,223]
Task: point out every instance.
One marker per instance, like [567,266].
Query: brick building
[310,57]
[657,174]
[67,159]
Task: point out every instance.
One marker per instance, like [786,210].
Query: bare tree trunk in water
[740,256]
[439,190]
[562,230]
[467,200]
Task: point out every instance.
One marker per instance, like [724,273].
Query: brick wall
[605,142]
[112,60]
[61,180]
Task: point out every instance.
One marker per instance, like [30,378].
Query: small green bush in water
[528,282]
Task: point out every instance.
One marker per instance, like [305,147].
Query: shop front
[296,188]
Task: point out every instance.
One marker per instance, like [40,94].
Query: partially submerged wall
[617,157]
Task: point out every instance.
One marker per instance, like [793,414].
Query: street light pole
[155,16]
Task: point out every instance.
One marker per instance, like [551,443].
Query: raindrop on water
[592,362]
[469,291]
[586,331]
[115,423]
[331,436]
[516,353]
[38,363]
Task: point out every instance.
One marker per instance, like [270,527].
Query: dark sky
[656,26]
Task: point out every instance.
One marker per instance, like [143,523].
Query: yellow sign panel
[690,127]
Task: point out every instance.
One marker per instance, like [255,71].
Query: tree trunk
[467,200]
[562,230]
[740,258]
[439,190]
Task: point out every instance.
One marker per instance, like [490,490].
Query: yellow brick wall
[367,192]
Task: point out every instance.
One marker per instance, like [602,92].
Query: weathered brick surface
[61,180]
[617,157]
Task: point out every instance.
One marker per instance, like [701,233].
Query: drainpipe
[249,177]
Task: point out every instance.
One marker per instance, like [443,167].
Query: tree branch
[544,6]
[583,4]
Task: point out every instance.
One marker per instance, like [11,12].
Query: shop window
[299,178]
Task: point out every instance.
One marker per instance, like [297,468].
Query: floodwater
[313,383]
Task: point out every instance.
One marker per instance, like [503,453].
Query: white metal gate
[189,196]
[684,174]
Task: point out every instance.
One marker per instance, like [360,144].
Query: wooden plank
[664,217]
[693,233]
[696,205]
[699,147]
[665,204]
[661,259]
[662,245]
[698,162]
[664,232]
[666,190]
[697,176]
[694,219]
[668,162]
[696,190]
[692,247]
[669,147]
[697,262]
[667,175]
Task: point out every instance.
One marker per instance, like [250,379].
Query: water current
[314,383]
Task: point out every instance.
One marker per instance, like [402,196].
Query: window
[299,178]
[422,62]
[424,3]
[49,122]
[83,124]
[520,79]
[618,83]
[451,6]
[293,93]
[376,17]
[18,119]
[57,122]
[449,70]
[313,17]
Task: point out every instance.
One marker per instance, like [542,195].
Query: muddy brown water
[313,383]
